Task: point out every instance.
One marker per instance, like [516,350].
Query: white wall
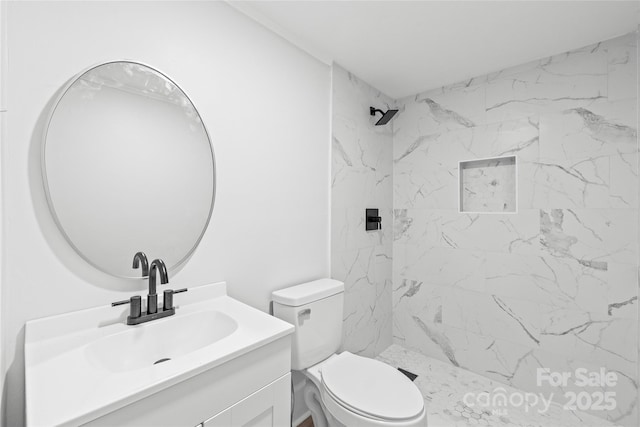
[266,105]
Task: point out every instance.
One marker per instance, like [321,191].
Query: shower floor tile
[444,387]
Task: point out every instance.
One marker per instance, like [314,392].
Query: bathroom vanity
[147,182]
[216,362]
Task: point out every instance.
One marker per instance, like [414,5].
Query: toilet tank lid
[305,293]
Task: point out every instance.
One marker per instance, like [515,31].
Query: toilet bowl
[358,391]
[342,389]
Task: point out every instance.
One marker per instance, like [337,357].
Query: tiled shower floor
[444,386]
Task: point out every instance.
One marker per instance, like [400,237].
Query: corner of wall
[301,43]
[361,178]
[332,121]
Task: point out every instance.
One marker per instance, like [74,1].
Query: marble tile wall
[361,174]
[555,285]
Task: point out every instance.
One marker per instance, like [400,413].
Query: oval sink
[159,341]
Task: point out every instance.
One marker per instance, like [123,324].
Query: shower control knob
[373,220]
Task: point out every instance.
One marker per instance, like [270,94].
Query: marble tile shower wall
[361,174]
[556,284]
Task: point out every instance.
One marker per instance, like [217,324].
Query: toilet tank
[315,309]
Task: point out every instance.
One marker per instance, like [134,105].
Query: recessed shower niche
[488,185]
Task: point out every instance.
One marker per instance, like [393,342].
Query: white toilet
[342,389]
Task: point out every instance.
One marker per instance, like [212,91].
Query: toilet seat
[370,388]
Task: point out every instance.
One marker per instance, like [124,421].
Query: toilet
[342,389]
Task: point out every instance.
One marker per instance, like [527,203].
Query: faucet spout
[140,260]
[152,299]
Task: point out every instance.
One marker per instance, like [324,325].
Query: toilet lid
[371,387]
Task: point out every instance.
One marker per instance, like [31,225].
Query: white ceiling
[405,47]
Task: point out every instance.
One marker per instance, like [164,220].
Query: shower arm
[373,111]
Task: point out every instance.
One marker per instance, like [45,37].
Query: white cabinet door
[223,419]
[268,407]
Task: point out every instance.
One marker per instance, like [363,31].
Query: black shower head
[386,116]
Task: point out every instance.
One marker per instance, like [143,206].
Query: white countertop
[63,387]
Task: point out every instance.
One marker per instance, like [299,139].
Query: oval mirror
[128,166]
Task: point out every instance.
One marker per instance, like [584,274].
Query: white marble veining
[554,285]
[444,388]
[573,79]
[424,165]
[361,177]
[605,128]
[622,76]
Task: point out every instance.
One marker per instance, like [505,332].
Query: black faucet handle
[136,305]
[140,259]
[167,302]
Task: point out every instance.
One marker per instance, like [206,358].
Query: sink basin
[83,365]
[160,341]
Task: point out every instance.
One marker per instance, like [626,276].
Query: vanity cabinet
[250,390]
[268,407]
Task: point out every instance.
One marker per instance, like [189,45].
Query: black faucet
[135,315]
[140,259]
[152,299]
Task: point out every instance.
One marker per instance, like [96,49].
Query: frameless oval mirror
[128,167]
